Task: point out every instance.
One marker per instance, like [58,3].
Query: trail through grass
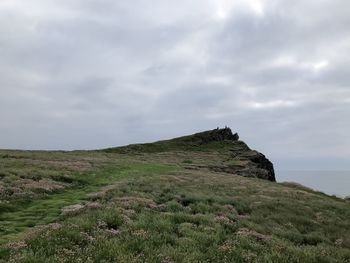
[20,216]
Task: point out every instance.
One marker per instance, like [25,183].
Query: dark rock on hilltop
[214,135]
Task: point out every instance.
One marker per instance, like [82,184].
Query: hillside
[206,197]
[235,156]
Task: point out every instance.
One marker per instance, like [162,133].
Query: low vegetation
[137,205]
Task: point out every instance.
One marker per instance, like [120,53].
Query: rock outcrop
[215,135]
[244,161]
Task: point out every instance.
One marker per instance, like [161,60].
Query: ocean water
[330,182]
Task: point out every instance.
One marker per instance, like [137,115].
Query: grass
[164,206]
[182,217]
[203,141]
[21,214]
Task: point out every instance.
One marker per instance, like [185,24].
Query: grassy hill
[198,198]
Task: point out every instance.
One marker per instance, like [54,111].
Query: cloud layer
[80,74]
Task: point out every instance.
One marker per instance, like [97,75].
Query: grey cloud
[91,74]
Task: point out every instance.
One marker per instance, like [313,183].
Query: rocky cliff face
[244,161]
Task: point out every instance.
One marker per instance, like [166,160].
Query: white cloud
[284,60]
[228,8]
[275,104]
[320,65]
[257,6]
[223,8]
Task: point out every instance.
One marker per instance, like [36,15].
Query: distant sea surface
[330,182]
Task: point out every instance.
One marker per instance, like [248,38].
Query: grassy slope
[160,203]
[36,206]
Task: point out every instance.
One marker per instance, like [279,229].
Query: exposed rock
[251,169]
[264,166]
[214,135]
[247,162]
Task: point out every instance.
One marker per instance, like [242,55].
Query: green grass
[197,142]
[20,215]
[184,217]
[162,203]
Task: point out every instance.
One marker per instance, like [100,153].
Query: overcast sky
[85,74]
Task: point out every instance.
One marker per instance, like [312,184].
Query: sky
[87,74]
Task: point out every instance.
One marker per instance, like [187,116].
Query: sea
[329,182]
